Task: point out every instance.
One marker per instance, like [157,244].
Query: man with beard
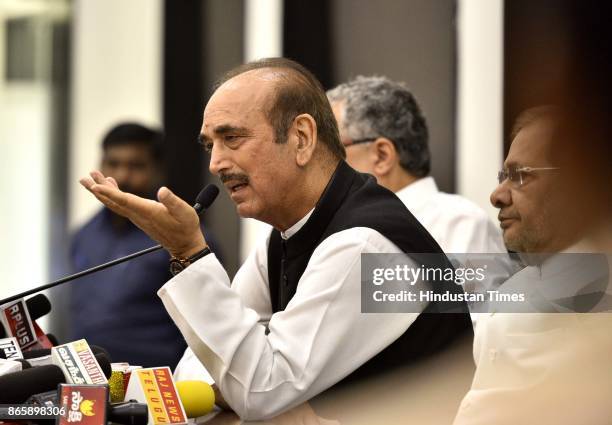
[117,308]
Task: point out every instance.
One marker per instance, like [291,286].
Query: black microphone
[53,339]
[203,201]
[205,198]
[102,359]
[37,306]
[32,354]
[105,364]
[17,387]
[128,412]
[42,352]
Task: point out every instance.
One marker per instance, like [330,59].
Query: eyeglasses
[516,174]
[360,141]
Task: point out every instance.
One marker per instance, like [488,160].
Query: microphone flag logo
[82,404]
[18,323]
[78,363]
[155,387]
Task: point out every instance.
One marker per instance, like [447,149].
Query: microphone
[155,387]
[205,198]
[203,201]
[36,307]
[42,352]
[128,412]
[198,397]
[52,339]
[102,359]
[17,387]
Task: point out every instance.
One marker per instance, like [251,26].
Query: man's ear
[305,133]
[386,156]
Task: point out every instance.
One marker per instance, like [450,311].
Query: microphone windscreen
[105,364]
[39,352]
[19,386]
[96,349]
[206,197]
[38,306]
[198,397]
[53,339]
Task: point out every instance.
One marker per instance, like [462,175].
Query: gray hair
[378,107]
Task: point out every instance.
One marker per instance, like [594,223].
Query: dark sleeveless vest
[352,200]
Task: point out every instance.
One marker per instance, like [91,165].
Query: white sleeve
[189,368]
[316,341]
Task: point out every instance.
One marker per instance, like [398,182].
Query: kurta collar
[297,226]
[416,194]
[310,232]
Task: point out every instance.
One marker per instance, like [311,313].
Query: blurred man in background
[385,134]
[547,366]
[117,308]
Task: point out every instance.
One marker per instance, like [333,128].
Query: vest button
[286,280]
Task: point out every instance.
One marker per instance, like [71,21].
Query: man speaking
[290,324]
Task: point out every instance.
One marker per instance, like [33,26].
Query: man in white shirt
[290,324]
[543,365]
[386,135]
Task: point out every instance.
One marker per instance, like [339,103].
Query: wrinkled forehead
[533,145]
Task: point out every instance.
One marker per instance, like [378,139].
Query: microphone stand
[80,274]
[204,199]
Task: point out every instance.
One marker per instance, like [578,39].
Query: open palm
[171,221]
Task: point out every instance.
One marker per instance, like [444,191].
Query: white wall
[25,130]
[480,99]
[116,76]
[24,188]
[263,37]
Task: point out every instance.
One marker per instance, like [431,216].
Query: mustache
[238,177]
[504,215]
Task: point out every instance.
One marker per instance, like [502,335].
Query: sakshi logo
[87,407]
[80,407]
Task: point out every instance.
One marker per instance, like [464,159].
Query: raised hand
[171,221]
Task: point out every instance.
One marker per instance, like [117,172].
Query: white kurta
[457,224]
[320,337]
[542,368]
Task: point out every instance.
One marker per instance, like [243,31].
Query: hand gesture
[171,221]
